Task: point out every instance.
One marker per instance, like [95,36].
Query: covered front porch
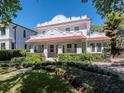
[52,49]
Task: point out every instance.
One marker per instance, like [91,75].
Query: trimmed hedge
[9,54]
[85,67]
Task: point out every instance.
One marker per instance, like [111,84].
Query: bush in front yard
[73,57]
[36,57]
[83,57]
[29,59]
[8,54]
[98,56]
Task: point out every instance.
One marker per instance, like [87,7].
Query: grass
[35,82]
[5,67]
[4,70]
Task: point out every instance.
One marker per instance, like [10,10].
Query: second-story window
[3,46]
[76,28]
[3,32]
[24,34]
[67,29]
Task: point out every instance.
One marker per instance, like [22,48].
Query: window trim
[68,29]
[75,28]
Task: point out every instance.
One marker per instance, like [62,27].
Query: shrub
[35,57]
[23,52]
[98,56]
[8,54]
[17,61]
[73,57]
[81,58]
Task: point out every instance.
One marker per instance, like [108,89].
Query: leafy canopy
[104,7]
[8,10]
[111,28]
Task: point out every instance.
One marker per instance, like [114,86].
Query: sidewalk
[113,67]
[14,73]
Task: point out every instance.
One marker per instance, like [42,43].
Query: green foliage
[81,58]
[17,61]
[73,57]
[8,54]
[95,28]
[23,52]
[111,28]
[28,60]
[104,7]
[98,56]
[91,78]
[36,57]
[8,10]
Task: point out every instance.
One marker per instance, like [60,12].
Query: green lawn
[35,82]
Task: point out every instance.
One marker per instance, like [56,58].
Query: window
[99,47]
[75,48]
[92,46]
[3,32]
[69,48]
[3,46]
[63,49]
[25,46]
[13,45]
[24,34]
[51,48]
[76,28]
[67,29]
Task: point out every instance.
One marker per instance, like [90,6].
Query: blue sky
[38,11]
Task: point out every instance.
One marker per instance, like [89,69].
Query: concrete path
[14,73]
[113,67]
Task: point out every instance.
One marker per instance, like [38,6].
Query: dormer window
[67,29]
[76,28]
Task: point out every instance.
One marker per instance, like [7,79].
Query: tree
[104,7]
[8,10]
[111,28]
[96,28]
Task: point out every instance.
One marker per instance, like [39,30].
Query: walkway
[14,73]
[113,67]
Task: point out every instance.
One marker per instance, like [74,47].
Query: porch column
[95,47]
[45,51]
[73,48]
[32,49]
[59,49]
[79,49]
[65,45]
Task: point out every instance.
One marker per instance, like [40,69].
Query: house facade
[14,37]
[66,35]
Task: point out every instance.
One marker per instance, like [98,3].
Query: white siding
[20,40]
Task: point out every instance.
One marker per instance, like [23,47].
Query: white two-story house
[14,37]
[66,35]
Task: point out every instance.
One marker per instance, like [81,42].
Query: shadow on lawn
[35,82]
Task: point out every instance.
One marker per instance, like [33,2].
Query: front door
[51,51]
